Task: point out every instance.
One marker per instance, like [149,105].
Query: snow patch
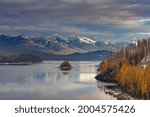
[107,42]
[145,61]
[46,42]
[135,43]
[87,40]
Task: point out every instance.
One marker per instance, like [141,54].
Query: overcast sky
[120,20]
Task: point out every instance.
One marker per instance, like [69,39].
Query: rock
[107,76]
[65,66]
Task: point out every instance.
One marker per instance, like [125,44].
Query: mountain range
[55,46]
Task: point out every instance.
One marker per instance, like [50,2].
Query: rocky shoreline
[116,92]
[107,76]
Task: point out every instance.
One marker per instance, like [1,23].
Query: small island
[65,66]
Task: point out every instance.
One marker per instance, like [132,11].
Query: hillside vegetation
[131,69]
[20,58]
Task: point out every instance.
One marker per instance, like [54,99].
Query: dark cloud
[116,18]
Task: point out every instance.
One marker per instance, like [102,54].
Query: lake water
[45,81]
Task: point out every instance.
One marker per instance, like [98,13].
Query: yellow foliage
[137,79]
[126,64]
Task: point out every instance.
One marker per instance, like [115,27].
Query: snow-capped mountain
[18,44]
[86,40]
[108,42]
[57,38]
[82,44]
[54,44]
[82,39]
[77,43]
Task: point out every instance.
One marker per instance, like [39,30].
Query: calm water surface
[46,81]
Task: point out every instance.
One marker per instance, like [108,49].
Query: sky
[117,20]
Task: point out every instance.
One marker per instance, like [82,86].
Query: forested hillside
[20,59]
[130,67]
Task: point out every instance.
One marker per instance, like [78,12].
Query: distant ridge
[54,46]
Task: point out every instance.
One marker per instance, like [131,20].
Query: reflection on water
[46,81]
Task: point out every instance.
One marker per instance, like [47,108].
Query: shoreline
[116,92]
[20,63]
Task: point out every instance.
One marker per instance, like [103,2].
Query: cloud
[145,21]
[144,33]
[81,17]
